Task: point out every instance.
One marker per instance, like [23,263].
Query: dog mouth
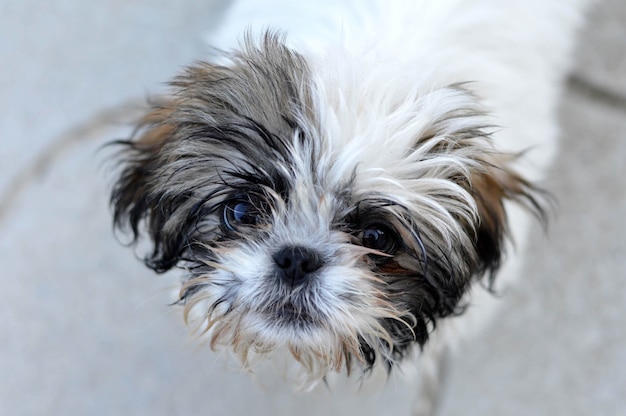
[290,314]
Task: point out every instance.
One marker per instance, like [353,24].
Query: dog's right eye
[240,213]
[379,237]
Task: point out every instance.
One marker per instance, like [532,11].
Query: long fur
[406,121]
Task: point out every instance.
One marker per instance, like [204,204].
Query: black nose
[295,263]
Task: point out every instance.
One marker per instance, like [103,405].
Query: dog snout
[296,263]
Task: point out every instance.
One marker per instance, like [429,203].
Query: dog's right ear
[134,199]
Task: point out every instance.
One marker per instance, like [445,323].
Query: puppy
[341,182]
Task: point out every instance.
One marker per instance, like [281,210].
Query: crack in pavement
[597,93]
[124,114]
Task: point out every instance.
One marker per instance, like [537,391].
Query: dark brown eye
[240,213]
[379,237]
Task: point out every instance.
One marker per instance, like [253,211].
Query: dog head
[337,219]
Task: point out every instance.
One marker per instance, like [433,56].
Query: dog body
[343,179]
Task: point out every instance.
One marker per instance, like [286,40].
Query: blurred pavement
[85,329]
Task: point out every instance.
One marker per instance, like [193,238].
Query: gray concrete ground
[84,329]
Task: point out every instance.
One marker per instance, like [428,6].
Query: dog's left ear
[491,187]
[134,197]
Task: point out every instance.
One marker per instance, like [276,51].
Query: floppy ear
[490,188]
[133,196]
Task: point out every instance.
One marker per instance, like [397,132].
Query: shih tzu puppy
[351,178]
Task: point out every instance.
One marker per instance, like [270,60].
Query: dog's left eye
[240,212]
[379,237]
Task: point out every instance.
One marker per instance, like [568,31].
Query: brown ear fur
[491,188]
[132,196]
[158,127]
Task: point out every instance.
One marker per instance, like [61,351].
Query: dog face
[334,221]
